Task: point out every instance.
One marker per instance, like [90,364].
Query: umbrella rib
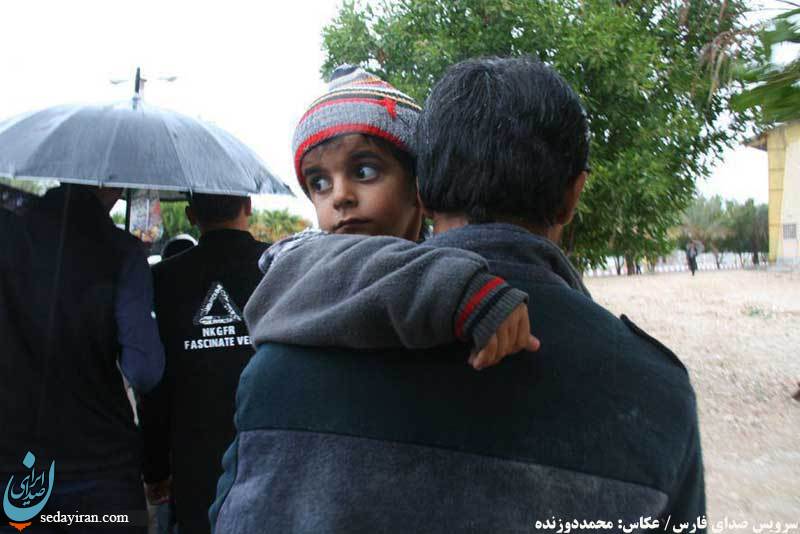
[224,151]
[112,140]
[177,152]
[13,122]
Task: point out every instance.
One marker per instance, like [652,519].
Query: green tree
[173,217]
[706,220]
[650,72]
[267,226]
[37,187]
[761,233]
[748,231]
[271,226]
[775,89]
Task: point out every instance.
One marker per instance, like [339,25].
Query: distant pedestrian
[177,244]
[691,256]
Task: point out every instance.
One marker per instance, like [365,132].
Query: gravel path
[738,332]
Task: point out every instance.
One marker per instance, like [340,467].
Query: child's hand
[512,336]
[158,492]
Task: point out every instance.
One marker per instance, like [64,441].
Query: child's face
[358,187]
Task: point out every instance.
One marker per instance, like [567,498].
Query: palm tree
[705,221]
[775,90]
[272,226]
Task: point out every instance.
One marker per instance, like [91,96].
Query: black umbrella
[133,145]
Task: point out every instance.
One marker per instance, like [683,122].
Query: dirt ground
[738,332]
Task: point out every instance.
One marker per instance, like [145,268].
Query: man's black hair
[501,138]
[213,209]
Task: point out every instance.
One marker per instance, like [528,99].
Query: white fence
[676,262]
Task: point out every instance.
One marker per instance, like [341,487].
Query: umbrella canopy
[135,146]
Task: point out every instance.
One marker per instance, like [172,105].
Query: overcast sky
[249,67]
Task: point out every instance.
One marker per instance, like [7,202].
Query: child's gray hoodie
[339,293]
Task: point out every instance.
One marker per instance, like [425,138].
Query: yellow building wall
[783,148]
[776,150]
[790,205]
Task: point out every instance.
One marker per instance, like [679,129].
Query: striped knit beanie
[357,102]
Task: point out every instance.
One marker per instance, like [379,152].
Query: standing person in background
[199,294]
[691,256]
[177,244]
[75,309]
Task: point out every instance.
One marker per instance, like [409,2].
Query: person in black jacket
[199,296]
[691,256]
[76,307]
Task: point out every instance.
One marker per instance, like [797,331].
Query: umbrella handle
[128,195]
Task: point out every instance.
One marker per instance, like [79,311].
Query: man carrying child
[600,424]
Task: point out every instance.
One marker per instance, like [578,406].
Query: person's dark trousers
[165,518]
[123,496]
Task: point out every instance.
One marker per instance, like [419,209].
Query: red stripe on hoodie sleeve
[473,303]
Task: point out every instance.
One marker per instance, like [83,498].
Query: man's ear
[417,198]
[427,213]
[418,201]
[190,215]
[571,197]
[248,207]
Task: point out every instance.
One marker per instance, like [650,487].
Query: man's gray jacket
[600,424]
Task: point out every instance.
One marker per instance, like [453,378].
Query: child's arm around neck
[377,292]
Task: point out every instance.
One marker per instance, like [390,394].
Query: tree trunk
[630,263]
[717,256]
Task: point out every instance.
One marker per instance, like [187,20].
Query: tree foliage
[271,226]
[705,220]
[775,88]
[650,72]
[725,226]
[36,187]
[173,217]
[748,229]
[268,226]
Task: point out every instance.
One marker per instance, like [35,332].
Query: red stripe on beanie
[473,303]
[366,129]
[390,107]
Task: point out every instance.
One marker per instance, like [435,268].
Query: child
[354,157]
